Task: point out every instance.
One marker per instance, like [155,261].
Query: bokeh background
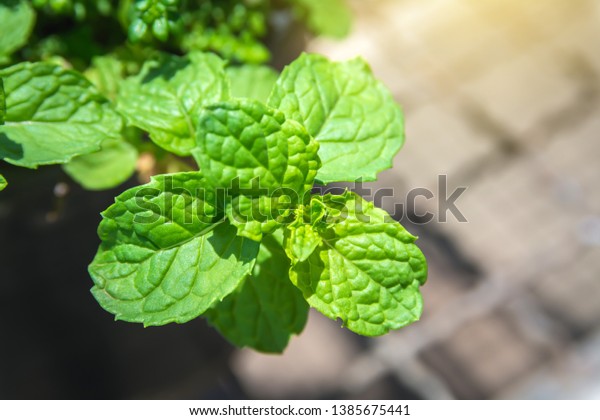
[503,97]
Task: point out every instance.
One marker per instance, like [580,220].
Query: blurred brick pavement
[503,96]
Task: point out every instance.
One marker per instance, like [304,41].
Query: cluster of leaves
[243,241]
[53,115]
[221,241]
[160,16]
[106,41]
[232,28]
[79,9]
[235,29]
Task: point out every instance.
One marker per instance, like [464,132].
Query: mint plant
[243,241]
[229,229]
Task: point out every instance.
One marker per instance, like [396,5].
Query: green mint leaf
[165,98]
[2,102]
[247,141]
[106,73]
[301,237]
[165,254]
[267,308]
[325,17]
[52,115]
[250,150]
[3,182]
[251,81]
[367,271]
[16,20]
[352,115]
[301,241]
[105,169]
[254,216]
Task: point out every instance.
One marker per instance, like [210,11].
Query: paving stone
[564,161]
[386,388]
[531,23]
[451,273]
[583,37]
[484,356]
[447,41]
[441,288]
[573,376]
[513,217]
[439,141]
[572,294]
[520,93]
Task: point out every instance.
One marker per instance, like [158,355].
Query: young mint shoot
[243,241]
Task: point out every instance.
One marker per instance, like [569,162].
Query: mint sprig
[243,241]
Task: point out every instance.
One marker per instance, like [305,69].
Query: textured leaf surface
[164,256]
[251,150]
[3,182]
[325,17]
[251,81]
[367,272]
[352,115]
[107,168]
[301,237]
[301,241]
[165,98]
[106,73]
[255,216]
[16,22]
[52,115]
[267,308]
[2,102]
[248,141]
